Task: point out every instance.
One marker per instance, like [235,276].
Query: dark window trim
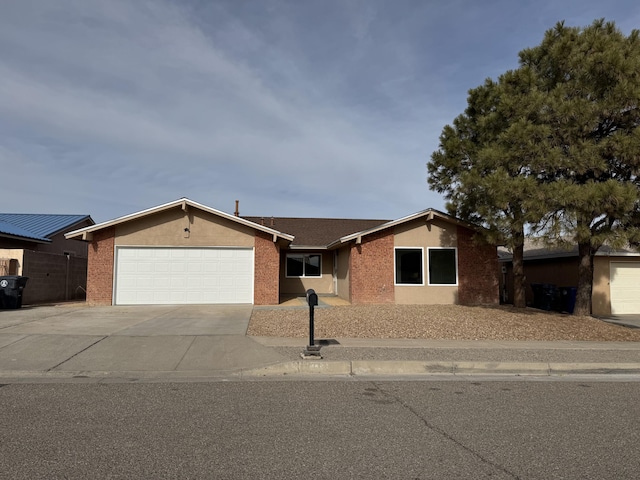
[304,273]
[395,267]
[455,249]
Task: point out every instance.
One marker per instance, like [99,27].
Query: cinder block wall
[266,270]
[478,271]
[371,277]
[53,277]
[100,272]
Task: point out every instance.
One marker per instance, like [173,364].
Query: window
[409,266]
[304,265]
[443,268]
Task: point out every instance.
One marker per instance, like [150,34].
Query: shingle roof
[315,232]
[36,226]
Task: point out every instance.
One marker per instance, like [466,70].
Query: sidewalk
[201,343]
[394,357]
[208,358]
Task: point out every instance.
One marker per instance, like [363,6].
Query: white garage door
[173,275]
[625,287]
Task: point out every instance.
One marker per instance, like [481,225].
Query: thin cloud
[305,108]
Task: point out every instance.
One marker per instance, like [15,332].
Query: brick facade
[478,271]
[100,268]
[371,276]
[267,270]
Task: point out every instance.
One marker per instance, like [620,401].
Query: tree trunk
[585,279]
[519,299]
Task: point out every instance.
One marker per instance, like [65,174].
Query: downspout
[66,280]
[335,272]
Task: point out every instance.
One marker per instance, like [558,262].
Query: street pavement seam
[185,353]
[77,353]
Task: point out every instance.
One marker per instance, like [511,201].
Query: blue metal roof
[37,226]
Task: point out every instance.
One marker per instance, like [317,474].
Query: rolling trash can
[11,287]
[544,295]
[568,296]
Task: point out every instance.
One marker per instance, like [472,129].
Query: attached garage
[183,275]
[625,287]
[182,252]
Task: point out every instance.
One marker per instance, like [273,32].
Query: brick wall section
[371,276]
[100,268]
[267,270]
[478,271]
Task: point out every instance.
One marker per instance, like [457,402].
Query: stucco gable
[186,205]
[429,216]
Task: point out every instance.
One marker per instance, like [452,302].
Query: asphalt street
[324,429]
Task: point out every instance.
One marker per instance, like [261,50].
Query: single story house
[185,252]
[34,246]
[616,275]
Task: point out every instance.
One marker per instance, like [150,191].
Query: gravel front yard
[450,322]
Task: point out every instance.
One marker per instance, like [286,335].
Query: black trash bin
[11,287]
[568,296]
[544,296]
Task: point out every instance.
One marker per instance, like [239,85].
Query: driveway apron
[188,338]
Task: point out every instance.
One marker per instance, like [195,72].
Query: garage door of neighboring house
[174,275]
[625,287]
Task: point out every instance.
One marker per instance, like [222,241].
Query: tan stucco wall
[601,294]
[323,284]
[167,228]
[343,273]
[14,253]
[420,233]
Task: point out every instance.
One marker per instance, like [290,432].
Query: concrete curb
[355,368]
[399,368]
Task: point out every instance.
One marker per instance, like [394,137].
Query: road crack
[442,432]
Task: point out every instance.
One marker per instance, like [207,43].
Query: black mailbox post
[311,350]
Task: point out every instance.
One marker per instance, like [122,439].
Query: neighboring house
[616,275]
[185,252]
[34,245]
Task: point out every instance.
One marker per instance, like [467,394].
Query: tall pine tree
[554,147]
[591,82]
[486,164]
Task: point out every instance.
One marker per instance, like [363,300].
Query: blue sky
[295,108]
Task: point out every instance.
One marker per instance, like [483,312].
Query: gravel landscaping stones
[444,322]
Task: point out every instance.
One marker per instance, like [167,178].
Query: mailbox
[312,298]
[312,350]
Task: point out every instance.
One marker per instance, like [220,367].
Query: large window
[443,268]
[304,265]
[409,264]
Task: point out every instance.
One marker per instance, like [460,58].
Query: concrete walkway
[197,343]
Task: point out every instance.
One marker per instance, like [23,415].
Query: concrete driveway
[189,340]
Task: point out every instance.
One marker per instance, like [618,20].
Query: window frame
[455,260]
[303,256]
[395,267]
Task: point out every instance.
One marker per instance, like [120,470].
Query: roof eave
[85,218]
[44,241]
[308,247]
[430,213]
[176,203]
